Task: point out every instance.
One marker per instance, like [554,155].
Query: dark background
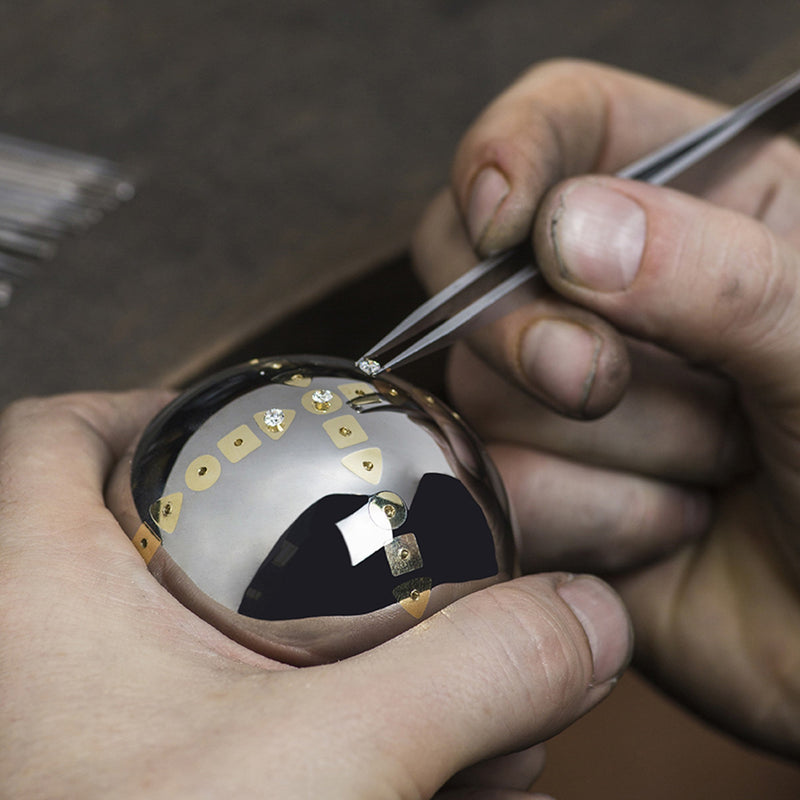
[283,151]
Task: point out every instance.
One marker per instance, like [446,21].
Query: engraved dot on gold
[202,473]
[238,442]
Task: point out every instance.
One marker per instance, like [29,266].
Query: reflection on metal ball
[310,511]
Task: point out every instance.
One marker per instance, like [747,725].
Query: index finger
[561,118]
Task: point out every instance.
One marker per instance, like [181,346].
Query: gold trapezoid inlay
[298,380]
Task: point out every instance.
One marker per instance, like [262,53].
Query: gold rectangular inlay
[239,443]
[146,542]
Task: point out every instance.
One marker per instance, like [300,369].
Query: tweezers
[475,298]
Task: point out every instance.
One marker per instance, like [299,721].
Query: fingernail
[560,359]
[599,236]
[489,190]
[605,623]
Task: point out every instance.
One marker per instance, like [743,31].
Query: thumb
[708,283]
[493,673]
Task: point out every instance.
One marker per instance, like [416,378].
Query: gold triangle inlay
[414,595]
[166,510]
[366,464]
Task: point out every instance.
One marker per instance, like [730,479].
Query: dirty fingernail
[489,190]
[560,359]
[599,237]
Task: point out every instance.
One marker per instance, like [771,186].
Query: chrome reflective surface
[310,511]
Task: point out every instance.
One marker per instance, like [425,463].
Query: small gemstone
[322,397]
[369,366]
[274,417]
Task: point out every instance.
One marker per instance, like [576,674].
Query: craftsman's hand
[683,316]
[110,688]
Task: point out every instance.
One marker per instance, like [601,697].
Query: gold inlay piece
[414,595]
[202,473]
[298,380]
[327,407]
[166,510]
[345,431]
[240,442]
[360,391]
[366,464]
[403,554]
[146,542]
[275,433]
[387,507]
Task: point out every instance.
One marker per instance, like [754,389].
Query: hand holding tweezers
[463,303]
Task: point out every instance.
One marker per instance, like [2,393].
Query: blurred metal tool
[46,193]
[463,304]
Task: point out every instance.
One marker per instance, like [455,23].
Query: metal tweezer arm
[463,303]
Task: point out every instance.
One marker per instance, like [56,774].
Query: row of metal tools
[47,193]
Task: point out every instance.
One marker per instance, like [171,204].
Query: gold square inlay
[345,431]
[240,442]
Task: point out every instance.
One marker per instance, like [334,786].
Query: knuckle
[755,290]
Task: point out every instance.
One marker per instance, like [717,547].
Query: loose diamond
[274,418]
[369,366]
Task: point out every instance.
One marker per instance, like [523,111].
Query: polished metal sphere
[310,511]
